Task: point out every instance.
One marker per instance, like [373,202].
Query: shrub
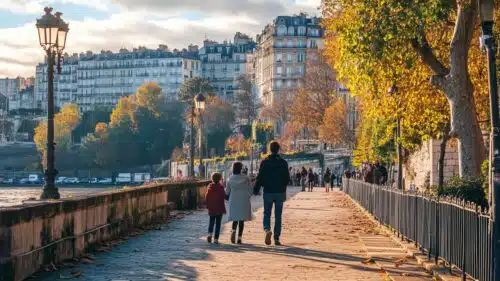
[470,190]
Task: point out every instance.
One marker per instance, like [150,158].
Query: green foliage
[144,131]
[470,190]
[89,120]
[485,176]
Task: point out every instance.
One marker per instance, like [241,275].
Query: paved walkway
[325,237]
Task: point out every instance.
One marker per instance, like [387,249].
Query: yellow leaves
[149,96]
[64,123]
[334,129]
[124,109]
[237,144]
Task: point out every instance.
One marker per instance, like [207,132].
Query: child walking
[216,209]
[239,191]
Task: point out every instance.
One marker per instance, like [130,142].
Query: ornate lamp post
[200,104]
[52,32]
[486,14]
[393,91]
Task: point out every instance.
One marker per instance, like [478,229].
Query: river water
[10,196]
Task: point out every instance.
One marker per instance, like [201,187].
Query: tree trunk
[457,86]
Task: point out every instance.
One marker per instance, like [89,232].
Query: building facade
[282,52]
[223,63]
[25,99]
[91,80]
[11,86]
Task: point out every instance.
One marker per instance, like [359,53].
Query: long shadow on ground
[161,254]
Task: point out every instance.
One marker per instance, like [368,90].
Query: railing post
[464,242]
[438,231]
[416,223]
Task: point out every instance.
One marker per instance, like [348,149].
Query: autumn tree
[218,121]
[382,41]
[245,99]
[334,129]
[143,130]
[280,108]
[238,144]
[65,121]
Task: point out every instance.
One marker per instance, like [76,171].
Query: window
[290,44]
[289,71]
[281,30]
[291,30]
[278,84]
[313,44]
[300,43]
[300,57]
[279,44]
[278,70]
[289,57]
[301,30]
[299,70]
[278,57]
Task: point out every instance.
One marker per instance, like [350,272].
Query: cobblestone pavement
[325,237]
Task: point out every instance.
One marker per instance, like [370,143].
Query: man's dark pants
[277,199]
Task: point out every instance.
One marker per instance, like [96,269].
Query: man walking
[273,177]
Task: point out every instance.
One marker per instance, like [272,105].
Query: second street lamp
[486,14]
[200,104]
[52,33]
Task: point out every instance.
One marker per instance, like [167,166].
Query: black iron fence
[445,228]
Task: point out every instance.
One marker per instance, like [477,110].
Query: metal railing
[444,228]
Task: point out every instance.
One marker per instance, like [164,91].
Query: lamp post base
[50,192]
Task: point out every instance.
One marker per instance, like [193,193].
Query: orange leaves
[236,144]
[334,129]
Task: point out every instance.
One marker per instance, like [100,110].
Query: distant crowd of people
[371,173]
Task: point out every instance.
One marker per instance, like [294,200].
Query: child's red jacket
[215,199]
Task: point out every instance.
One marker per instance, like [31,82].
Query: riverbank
[11,196]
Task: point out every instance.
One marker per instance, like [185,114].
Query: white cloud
[20,51]
[36,6]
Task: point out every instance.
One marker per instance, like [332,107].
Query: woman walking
[239,190]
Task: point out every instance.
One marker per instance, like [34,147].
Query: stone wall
[50,232]
[422,164]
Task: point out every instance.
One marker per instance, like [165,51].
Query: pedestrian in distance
[216,209]
[273,178]
[239,190]
[333,180]
[303,180]
[298,178]
[310,180]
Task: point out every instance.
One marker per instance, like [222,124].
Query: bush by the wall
[470,190]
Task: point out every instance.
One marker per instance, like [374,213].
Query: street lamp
[52,33]
[200,103]
[486,15]
[393,90]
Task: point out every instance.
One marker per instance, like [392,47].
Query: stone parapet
[34,235]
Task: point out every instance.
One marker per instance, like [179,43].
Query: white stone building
[11,86]
[282,52]
[223,63]
[90,80]
[25,99]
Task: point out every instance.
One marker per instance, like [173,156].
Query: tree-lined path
[325,237]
